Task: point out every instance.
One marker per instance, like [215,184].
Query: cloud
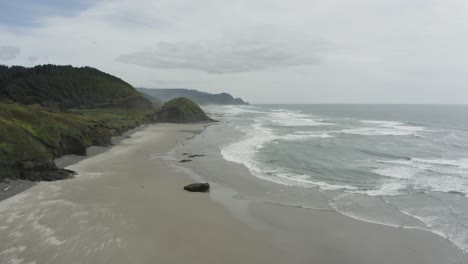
[221,58]
[287,51]
[8,52]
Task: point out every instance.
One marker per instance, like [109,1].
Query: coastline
[14,187]
[127,205]
[297,216]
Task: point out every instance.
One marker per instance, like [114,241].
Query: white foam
[441,225]
[257,136]
[379,221]
[443,175]
[234,110]
[380,122]
[460,163]
[387,188]
[302,137]
[374,132]
[303,180]
[394,124]
[244,150]
[294,119]
[384,128]
[400,172]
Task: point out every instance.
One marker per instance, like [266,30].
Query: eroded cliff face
[31,138]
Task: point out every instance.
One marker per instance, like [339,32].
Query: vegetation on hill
[64,87]
[181,110]
[49,111]
[31,137]
[197,96]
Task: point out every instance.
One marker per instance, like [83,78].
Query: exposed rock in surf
[185,160]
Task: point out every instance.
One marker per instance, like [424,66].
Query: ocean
[398,165]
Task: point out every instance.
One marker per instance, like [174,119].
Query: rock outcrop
[181,110]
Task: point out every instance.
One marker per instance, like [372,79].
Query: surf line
[301,207]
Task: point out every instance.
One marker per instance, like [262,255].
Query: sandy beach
[127,205]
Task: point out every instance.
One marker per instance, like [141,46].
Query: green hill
[67,87]
[50,111]
[181,110]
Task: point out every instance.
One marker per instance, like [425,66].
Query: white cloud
[8,52]
[290,51]
[219,58]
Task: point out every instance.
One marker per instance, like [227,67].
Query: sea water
[398,165]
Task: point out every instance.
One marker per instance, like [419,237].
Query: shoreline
[127,205]
[271,198]
[14,187]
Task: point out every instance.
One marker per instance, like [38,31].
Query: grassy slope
[31,137]
[182,110]
[49,111]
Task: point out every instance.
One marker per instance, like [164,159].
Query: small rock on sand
[196,156]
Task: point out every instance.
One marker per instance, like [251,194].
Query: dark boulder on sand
[197,187]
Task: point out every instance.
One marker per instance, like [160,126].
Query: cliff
[50,111]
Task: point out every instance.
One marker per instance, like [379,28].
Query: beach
[127,205]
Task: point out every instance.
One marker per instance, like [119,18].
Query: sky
[265,51]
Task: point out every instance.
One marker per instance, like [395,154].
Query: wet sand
[127,205]
[302,222]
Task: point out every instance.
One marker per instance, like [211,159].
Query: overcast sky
[265,51]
